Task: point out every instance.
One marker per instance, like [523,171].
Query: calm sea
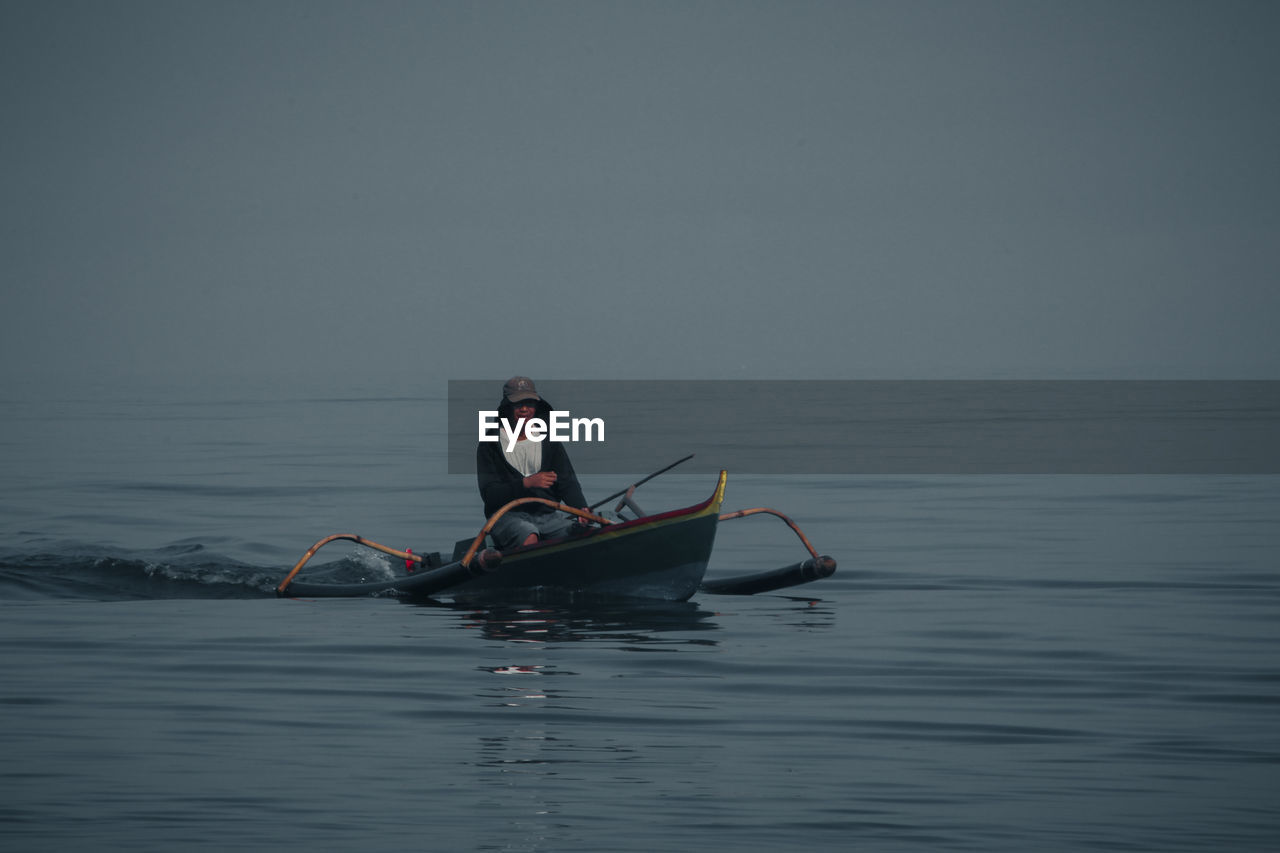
[1000,663]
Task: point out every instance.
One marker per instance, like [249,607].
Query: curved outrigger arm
[351,537]
[815,568]
[487,558]
[493,519]
[742,513]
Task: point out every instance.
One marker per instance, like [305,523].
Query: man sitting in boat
[530,469]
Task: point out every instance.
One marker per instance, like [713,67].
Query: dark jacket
[500,483]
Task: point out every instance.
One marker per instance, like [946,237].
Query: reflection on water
[548,734]
[633,623]
[809,614]
[523,690]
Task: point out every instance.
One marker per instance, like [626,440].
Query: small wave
[185,571]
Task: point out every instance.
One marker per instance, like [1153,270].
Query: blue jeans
[514,527]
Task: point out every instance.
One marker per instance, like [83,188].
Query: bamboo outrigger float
[662,556]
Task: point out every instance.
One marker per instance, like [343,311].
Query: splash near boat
[661,556]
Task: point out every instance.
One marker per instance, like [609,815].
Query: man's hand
[540,480]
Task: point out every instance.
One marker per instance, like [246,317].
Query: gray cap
[520,388]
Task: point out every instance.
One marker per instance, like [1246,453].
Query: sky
[411,192]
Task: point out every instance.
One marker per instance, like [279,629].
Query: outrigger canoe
[662,556]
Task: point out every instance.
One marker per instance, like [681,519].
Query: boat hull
[652,560]
[662,557]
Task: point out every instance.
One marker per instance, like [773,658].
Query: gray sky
[642,189]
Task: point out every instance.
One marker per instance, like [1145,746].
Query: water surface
[1000,663]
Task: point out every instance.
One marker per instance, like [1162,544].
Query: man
[531,469]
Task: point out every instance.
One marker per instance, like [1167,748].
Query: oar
[640,482]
